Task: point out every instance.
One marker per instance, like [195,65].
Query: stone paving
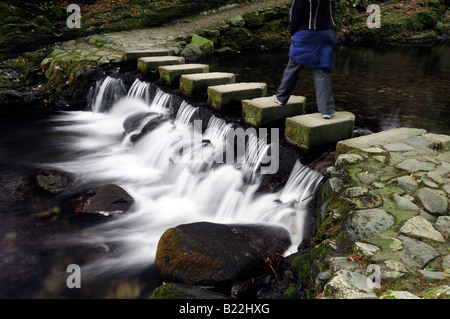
[398,182]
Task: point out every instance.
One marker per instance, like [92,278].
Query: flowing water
[384,86]
[176,171]
[169,186]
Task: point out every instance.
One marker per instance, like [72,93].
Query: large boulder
[205,253]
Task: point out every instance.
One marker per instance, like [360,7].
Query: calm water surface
[385,87]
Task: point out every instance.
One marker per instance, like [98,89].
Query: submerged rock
[213,254]
[105,200]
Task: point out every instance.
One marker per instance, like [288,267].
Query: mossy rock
[207,46]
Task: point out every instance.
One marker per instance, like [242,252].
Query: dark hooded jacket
[311,15]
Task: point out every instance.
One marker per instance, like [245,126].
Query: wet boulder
[105,200]
[205,253]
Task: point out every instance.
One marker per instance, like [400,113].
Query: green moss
[166,291]
[297,134]
[290,290]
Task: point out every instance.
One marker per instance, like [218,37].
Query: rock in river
[106,200]
[205,253]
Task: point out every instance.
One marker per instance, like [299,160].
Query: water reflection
[384,86]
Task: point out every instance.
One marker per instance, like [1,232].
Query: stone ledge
[369,141]
[170,74]
[263,110]
[134,54]
[197,83]
[221,96]
[149,64]
[311,130]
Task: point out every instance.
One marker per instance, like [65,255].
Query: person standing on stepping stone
[313,45]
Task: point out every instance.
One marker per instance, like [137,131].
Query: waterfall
[140,90]
[175,173]
[107,91]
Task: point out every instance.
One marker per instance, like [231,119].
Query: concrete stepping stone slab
[263,110]
[311,130]
[149,64]
[171,74]
[221,96]
[134,54]
[198,83]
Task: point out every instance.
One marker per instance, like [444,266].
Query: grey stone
[355,192]
[403,203]
[397,147]
[412,165]
[400,295]
[386,137]
[416,253]
[447,188]
[429,183]
[311,130]
[446,262]
[421,228]
[420,141]
[220,96]
[380,158]
[335,184]
[199,83]
[393,269]
[340,263]
[442,141]
[410,153]
[170,74]
[348,285]
[438,292]
[366,249]
[435,177]
[263,110]
[378,185]
[427,216]
[443,225]
[348,159]
[149,64]
[237,21]
[366,179]
[433,276]
[365,223]
[322,278]
[432,201]
[408,183]
[192,52]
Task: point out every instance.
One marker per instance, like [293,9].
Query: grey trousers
[322,85]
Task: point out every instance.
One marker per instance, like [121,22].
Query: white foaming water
[167,187]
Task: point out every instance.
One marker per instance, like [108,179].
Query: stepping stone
[311,130]
[134,54]
[196,83]
[172,73]
[263,110]
[149,64]
[221,96]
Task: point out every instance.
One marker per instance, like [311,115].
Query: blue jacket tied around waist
[314,48]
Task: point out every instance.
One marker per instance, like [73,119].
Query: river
[386,87]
